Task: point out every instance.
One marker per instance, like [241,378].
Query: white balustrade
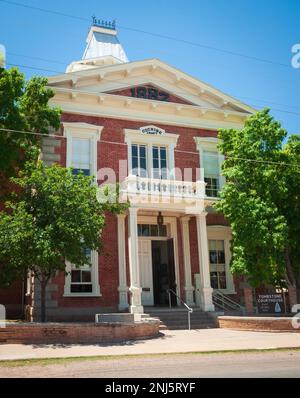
[169,188]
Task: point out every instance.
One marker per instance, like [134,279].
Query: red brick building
[153,128]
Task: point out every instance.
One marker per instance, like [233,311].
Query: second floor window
[143,167]
[211,173]
[139,160]
[81,156]
[159,159]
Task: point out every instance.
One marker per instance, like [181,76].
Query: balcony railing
[134,185]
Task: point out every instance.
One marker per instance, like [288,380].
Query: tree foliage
[23,107]
[55,218]
[261,200]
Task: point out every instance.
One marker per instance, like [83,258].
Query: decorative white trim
[162,139]
[86,131]
[123,288]
[189,288]
[135,283]
[161,72]
[116,107]
[94,274]
[205,286]
[220,232]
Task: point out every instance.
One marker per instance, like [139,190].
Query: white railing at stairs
[189,309]
[222,301]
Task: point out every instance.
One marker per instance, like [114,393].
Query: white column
[171,165]
[123,288]
[135,288]
[189,289]
[205,289]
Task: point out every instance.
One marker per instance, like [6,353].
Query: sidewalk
[171,341]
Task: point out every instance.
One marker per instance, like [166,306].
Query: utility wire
[114,82]
[3,130]
[233,53]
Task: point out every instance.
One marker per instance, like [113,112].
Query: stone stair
[177,318]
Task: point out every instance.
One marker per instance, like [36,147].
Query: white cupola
[103,47]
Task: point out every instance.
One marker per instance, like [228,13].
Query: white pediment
[111,78]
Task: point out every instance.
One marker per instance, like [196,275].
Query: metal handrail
[226,301]
[190,310]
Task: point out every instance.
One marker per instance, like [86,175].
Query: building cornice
[117,106]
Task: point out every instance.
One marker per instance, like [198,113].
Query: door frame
[172,233]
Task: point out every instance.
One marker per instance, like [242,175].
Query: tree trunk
[290,278]
[43,299]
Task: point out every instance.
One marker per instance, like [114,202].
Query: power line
[3,130]
[114,82]
[233,53]
[37,58]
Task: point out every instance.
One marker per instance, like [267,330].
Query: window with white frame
[152,230]
[140,165]
[82,141]
[217,264]
[159,162]
[211,173]
[81,156]
[139,160]
[221,278]
[150,155]
[210,165]
[83,281]
[81,277]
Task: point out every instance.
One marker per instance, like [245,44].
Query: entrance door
[145,263]
[163,272]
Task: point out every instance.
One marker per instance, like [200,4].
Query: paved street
[171,341]
[263,364]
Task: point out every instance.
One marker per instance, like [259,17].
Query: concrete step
[177,319]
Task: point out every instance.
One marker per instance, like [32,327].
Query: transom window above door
[152,230]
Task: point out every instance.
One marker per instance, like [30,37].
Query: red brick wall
[216,219]
[110,150]
[279,324]
[76,333]
[194,248]
[109,154]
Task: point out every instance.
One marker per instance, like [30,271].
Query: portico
[146,284]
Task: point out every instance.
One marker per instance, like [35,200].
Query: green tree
[261,201]
[54,219]
[23,107]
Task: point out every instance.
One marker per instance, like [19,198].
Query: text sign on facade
[149,93]
[152,130]
[270,303]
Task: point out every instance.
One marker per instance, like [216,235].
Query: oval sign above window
[152,130]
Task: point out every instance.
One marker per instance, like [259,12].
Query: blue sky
[264,29]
